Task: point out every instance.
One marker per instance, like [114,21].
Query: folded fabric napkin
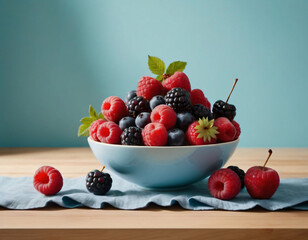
[19,193]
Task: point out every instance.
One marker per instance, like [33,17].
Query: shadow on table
[17,151]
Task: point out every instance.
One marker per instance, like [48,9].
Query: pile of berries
[165,113]
[261,182]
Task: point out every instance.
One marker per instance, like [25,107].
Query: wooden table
[152,222]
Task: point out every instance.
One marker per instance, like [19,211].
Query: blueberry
[130,95]
[183,120]
[176,137]
[157,100]
[143,119]
[127,122]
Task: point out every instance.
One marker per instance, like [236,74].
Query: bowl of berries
[164,134]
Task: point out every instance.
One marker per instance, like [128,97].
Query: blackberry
[200,111]
[137,105]
[223,109]
[98,182]
[131,136]
[240,173]
[178,99]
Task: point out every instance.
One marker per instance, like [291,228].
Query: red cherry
[261,182]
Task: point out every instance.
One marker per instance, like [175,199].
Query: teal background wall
[58,57]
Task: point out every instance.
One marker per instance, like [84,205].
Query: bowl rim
[163,147]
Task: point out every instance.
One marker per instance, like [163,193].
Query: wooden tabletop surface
[152,222]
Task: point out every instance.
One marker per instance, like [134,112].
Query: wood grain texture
[152,222]
[141,234]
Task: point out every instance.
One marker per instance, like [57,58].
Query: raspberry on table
[197,97]
[47,180]
[224,184]
[225,128]
[98,182]
[165,115]
[109,132]
[179,100]
[240,173]
[149,87]
[177,80]
[93,128]
[223,109]
[137,105]
[200,111]
[155,134]
[114,109]
[238,129]
[131,136]
[201,132]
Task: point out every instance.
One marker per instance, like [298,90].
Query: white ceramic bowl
[163,167]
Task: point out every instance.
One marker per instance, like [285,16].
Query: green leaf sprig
[83,130]
[157,67]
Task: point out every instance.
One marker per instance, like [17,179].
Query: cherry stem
[232,89]
[269,155]
[103,168]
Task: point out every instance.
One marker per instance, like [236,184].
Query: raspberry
[155,134]
[149,87]
[109,132]
[98,182]
[224,184]
[93,128]
[238,129]
[131,136]
[177,80]
[197,97]
[48,180]
[178,99]
[165,115]
[192,134]
[240,173]
[114,109]
[137,105]
[226,129]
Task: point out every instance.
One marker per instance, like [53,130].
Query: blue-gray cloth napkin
[19,193]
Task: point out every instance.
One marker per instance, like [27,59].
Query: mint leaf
[156,65]
[159,78]
[177,66]
[83,130]
[101,116]
[86,120]
[92,112]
